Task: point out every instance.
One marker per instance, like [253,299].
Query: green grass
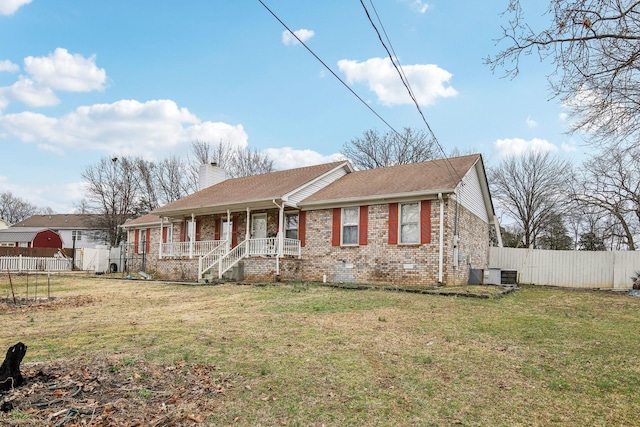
[313,355]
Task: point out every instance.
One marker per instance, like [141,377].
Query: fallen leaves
[82,392]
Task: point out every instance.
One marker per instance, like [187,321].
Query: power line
[393,58]
[330,70]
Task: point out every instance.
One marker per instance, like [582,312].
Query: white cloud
[288,39]
[288,158]
[28,92]
[64,71]
[569,147]
[60,71]
[66,195]
[518,146]
[419,6]
[563,117]
[427,80]
[531,123]
[151,129]
[6,65]
[9,7]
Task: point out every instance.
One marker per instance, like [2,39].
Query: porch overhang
[221,209]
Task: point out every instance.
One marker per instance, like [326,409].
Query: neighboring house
[80,227]
[30,237]
[423,224]
[3,224]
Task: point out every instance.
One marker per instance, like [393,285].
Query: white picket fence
[573,269]
[20,263]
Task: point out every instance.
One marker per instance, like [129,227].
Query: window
[350,219]
[191,231]
[291,226]
[169,233]
[76,234]
[227,226]
[143,241]
[410,223]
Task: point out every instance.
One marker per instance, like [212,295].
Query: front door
[259,226]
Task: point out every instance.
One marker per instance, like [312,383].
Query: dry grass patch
[303,354]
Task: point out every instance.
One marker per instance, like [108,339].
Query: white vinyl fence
[20,263]
[573,269]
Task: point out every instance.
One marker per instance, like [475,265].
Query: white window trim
[297,214]
[142,241]
[357,224]
[226,234]
[400,223]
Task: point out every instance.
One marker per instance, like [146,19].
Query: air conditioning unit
[492,276]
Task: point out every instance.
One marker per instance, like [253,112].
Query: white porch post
[192,235]
[160,239]
[281,231]
[228,230]
[247,229]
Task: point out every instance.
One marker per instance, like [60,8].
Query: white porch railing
[291,247]
[253,247]
[20,263]
[263,247]
[184,249]
[231,258]
[208,261]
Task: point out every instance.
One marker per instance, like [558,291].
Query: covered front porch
[220,240]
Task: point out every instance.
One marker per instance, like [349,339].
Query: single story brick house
[422,224]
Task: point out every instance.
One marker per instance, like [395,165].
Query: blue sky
[81,80]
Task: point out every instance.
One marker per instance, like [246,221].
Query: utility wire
[403,77]
[330,70]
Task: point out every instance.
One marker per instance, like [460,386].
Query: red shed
[28,237]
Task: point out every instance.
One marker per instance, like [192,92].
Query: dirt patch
[115,391]
[43,303]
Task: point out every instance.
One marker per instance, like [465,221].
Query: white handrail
[231,258]
[209,260]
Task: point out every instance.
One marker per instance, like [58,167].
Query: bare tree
[247,162]
[531,191]
[149,198]
[172,178]
[595,47]
[610,183]
[236,161]
[374,150]
[112,192]
[13,209]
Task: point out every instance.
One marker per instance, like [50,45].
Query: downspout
[441,243]
[280,237]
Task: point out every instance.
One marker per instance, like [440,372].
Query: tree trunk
[10,375]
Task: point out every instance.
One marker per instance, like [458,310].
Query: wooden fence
[20,263]
[573,269]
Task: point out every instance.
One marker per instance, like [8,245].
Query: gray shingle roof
[59,221]
[23,234]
